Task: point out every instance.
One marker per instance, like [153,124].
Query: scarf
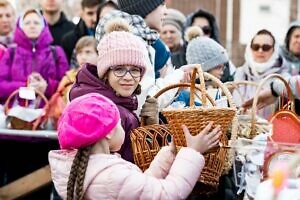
[138,24]
[257,71]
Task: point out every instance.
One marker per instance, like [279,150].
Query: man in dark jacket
[86,26]
[58,23]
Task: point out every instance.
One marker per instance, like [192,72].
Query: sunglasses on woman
[264,47]
[206,30]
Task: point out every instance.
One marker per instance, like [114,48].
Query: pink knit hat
[86,120]
[121,48]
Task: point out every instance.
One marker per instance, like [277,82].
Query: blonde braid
[82,165]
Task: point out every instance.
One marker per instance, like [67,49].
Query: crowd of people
[107,68]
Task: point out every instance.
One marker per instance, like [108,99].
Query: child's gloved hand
[205,140]
[150,111]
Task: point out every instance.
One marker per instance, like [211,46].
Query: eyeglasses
[206,30]
[264,47]
[121,71]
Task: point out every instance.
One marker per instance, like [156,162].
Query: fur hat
[119,47]
[78,128]
[203,50]
[139,7]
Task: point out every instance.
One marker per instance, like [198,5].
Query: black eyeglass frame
[125,71]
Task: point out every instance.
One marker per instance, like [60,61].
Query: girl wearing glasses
[121,66]
[262,58]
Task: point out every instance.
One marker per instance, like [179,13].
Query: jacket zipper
[34,58]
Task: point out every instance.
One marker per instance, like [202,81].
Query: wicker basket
[16,123]
[245,129]
[147,140]
[286,115]
[196,118]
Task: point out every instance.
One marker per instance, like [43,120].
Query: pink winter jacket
[110,177]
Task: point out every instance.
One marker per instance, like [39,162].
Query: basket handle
[14,93]
[291,98]
[223,88]
[192,85]
[40,94]
[178,85]
[182,85]
[232,85]
[198,70]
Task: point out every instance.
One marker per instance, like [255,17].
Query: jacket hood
[44,40]
[61,161]
[284,49]
[289,55]
[215,33]
[288,35]
[87,81]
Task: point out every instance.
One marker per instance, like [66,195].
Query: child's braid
[73,175]
[82,165]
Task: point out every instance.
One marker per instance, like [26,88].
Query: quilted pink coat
[110,177]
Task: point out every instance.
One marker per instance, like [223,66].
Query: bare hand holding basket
[196,119]
[146,141]
[204,140]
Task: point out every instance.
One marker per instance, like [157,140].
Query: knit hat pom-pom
[117,24]
[193,32]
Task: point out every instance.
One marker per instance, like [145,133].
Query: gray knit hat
[139,7]
[207,52]
[175,18]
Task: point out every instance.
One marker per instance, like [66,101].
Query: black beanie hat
[139,7]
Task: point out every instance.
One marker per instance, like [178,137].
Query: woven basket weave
[245,129]
[196,119]
[147,140]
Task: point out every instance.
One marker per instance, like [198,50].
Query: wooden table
[32,181]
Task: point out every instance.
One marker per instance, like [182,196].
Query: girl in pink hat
[90,131]
[121,67]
